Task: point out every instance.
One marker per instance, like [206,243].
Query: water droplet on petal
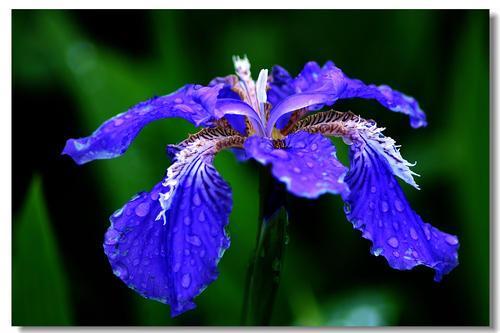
[186,280]
[310,164]
[300,145]
[385,206]
[201,217]
[280,153]
[413,234]
[202,253]
[196,200]
[142,209]
[395,225]
[177,266]
[380,223]
[396,254]
[111,237]
[187,252]
[393,241]
[135,262]
[120,271]
[117,122]
[378,251]
[296,170]
[194,240]
[118,212]
[187,220]
[399,205]
[452,240]
[373,189]
[314,146]
[427,232]
[371,205]
[414,254]
[178,100]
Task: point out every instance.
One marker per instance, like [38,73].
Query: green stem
[265,267]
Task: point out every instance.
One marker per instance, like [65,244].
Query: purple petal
[168,250]
[192,102]
[307,165]
[378,208]
[333,84]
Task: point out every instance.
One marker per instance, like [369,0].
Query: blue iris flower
[166,243]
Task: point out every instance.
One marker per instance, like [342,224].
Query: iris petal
[306,164]
[166,244]
[192,102]
[331,83]
[378,208]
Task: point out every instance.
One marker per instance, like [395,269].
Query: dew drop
[380,223]
[201,217]
[427,232]
[385,206]
[111,237]
[413,234]
[202,253]
[187,220]
[135,262]
[194,240]
[177,266]
[399,205]
[452,240]
[187,252]
[300,145]
[178,100]
[414,254]
[118,122]
[395,225]
[378,251]
[296,170]
[120,271]
[142,209]
[396,254]
[280,153]
[196,200]
[310,164]
[186,280]
[314,146]
[371,205]
[118,212]
[393,241]
[373,189]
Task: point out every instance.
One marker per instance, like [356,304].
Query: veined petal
[378,208]
[192,102]
[352,128]
[306,163]
[334,84]
[166,244]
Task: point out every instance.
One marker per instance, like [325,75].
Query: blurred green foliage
[405,49]
[39,284]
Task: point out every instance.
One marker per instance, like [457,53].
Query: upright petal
[378,208]
[333,84]
[192,102]
[305,162]
[166,244]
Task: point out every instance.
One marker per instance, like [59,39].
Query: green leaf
[39,283]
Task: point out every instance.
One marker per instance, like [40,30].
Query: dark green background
[74,69]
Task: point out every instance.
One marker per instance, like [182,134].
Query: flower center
[255,93]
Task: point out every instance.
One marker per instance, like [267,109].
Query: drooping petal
[306,163]
[331,82]
[350,128]
[192,102]
[166,244]
[378,208]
